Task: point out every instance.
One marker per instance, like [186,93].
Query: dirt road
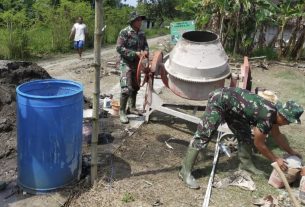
[70,67]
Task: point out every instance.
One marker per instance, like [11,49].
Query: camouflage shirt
[129,42]
[241,104]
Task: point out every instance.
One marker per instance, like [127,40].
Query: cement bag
[294,167]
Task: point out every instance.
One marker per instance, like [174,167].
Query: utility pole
[96,94]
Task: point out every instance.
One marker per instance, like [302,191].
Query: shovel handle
[287,186]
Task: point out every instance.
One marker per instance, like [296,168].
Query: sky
[131,2]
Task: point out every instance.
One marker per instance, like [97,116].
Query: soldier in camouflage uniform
[241,109]
[131,45]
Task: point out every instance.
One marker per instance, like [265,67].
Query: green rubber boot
[2,185]
[123,103]
[132,105]
[187,165]
[246,159]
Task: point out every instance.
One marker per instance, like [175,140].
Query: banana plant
[294,44]
[264,13]
[282,14]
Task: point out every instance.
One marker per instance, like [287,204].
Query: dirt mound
[13,74]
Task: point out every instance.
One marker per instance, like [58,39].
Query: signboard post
[178,28]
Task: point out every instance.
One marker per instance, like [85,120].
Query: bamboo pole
[96,93]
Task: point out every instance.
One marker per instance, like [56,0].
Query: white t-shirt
[80,31]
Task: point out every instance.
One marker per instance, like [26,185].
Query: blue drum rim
[79,85]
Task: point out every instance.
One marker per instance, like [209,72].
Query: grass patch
[269,52]
[41,40]
[4,53]
[154,32]
[128,197]
[287,75]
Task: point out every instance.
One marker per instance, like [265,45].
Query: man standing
[131,45]
[241,109]
[79,30]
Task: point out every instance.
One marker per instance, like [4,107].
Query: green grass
[3,48]
[287,75]
[270,53]
[154,32]
[40,40]
[128,197]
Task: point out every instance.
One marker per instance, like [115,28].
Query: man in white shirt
[79,30]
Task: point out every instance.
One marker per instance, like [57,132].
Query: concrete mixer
[196,66]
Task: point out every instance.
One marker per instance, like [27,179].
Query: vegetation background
[35,28]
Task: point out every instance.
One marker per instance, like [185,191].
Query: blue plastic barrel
[49,134]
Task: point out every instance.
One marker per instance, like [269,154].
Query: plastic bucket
[115,107]
[294,165]
[49,134]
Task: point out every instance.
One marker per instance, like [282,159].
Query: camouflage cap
[291,111]
[134,15]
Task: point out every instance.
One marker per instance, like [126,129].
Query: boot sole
[181,178]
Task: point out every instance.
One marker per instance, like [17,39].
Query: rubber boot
[123,103]
[246,159]
[187,165]
[132,105]
[2,185]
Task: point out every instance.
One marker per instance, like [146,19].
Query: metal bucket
[49,134]
[197,65]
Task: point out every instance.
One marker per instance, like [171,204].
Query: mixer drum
[197,65]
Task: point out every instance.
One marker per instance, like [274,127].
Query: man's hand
[142,53]
[138,54]
[282,164]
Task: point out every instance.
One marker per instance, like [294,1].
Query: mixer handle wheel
[157,66]
[141,67]
[156,62]
[163,74]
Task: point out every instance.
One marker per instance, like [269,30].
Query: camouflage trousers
[128,81]
[216,114]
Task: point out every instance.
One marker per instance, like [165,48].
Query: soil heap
[13,74]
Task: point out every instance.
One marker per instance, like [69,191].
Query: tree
[160,10]
[17,39]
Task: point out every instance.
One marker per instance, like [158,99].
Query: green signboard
[178,28]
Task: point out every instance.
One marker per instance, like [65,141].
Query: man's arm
[122,50]
[72,32]
[259,142]
[281,141]
[86,31]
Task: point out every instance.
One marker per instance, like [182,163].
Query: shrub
[270,53]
